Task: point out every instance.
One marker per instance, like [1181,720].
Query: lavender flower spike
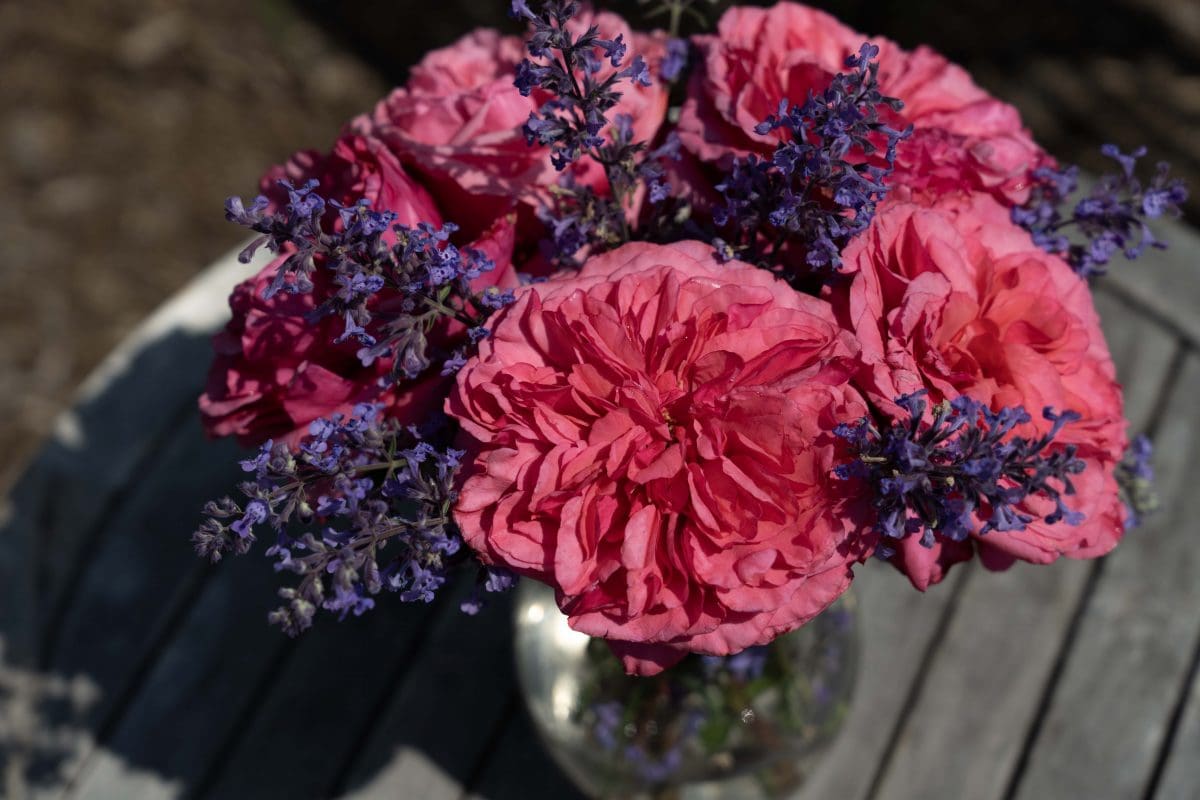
[1135,477]
[1110,220]
[962,473]
[362,507]
[813,190]
[423,269]
[577,122]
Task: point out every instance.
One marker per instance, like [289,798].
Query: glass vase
[747,726]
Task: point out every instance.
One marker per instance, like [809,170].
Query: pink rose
[962,139]
[275,371]
[357,166]
[458,121]
[652,438]
[952,297]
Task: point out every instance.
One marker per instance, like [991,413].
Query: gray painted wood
[190,702]
[1181,776]
[123,411]
[311,714]
[140,575]
[1168,281]
[433,731]
[215,667]
[897,627]
[965,732]
[1106,721]
[520,769]
[1143,352]
[142,563]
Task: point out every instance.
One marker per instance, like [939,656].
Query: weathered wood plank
[306,725]
[435,728]
[966,729]
[123,411]
[174,728]
[965,733]
[142,557]
[139,577]
[1106,721]
[520,769]
[1181,775]
[1143,353]
[170,735]
[1166,282]
[897,627]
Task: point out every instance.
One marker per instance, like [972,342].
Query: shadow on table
[129,667]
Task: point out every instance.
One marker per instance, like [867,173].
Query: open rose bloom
[686,329]
[653,438]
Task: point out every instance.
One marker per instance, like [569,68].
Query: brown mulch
[125,125]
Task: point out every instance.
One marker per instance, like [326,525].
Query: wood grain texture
[965,732]
[140,577]
[190,702]
[897,627]
[520,769]
[1106,721]
[1166,282]
[1143,352]
[309,715]
[142,560]
[1181,773]
[436,727]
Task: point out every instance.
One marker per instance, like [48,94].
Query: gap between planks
[1035,729]
[1109,720]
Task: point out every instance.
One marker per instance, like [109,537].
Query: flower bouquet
[685,329]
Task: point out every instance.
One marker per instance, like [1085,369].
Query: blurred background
[126,123]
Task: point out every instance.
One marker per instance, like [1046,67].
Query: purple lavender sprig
[362,506]
[1135,478]
[1110,220]
[820,187]
[675,62]
[422,275]
[568,67]
[574,124]
[960,474]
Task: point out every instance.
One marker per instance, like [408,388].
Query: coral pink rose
[962,139]
[954,298]
[652,439]
[458,121]
[275,371]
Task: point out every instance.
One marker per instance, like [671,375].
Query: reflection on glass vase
[748,726]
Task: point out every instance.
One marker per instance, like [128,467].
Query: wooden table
[131,670]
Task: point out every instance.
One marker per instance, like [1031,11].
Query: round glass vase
[747,726]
